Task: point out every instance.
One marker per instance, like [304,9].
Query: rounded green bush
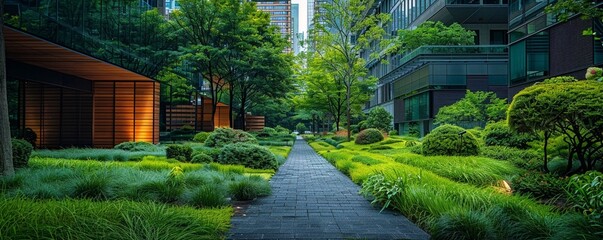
[281,129]
[450,140]
[179,152]
[137,147]
[224,136]
[201,137]
[368,136]
[499,134]
[21,152]
[248,155]
[201,158]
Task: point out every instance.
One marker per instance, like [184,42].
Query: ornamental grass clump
[368,136]
[450,140]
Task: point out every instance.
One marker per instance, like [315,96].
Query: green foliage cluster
[585,194]
[301,128]
[450,140]
[223,136]
[22,218]
[474,109]
[543,186]
[21,152]
[368,136]
[248,190]
[201,137]
[433,33]
[382,190]
[594,73]
[499,134]
[281,129]
[379,118]
[201,158]
[526,159]
[137,147]
[267,132]
[181,153]
[568,109]
[248,155]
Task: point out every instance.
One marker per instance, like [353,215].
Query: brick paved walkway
[313,200]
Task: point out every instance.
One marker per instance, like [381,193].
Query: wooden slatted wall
[179,115]
[60,117]
[254,123]
[125,111]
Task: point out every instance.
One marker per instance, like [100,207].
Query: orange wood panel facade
[125,111]
[180,115]
[254,123]
[59,116]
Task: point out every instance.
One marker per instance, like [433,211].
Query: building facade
[280,16]
[415,84]
[295,28]
[541,47]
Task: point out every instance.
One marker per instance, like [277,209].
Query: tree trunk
[230,101]
[545,168]
[6,152]
[348,110]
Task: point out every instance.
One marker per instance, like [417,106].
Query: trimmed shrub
[281,129]
[499,134]
[450,140]
[248,155]
[539,185]
[211,152]
[267,132]
[21,152]
[224,136]
[137,147]
[379,118]
[201,158]
[393,133]
[179,152]
[201,137]
[301,128]
[368,136]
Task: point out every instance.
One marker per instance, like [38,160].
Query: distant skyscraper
[295,27]
[171,5]
[310,14]
[280,16]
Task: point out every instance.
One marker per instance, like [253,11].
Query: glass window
[498,37]
[537,54]
[517,61]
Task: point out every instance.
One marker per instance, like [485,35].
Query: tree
[433,33]
[6,152]
[345,29]
[202,26]
[380,119]
[569,109]
[475,107]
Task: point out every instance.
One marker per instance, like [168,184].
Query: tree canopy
[475,108]
[380,119]
[569,109]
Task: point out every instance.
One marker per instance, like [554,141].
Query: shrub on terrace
[450,140]
[179,152]
[368,136]
[137,147]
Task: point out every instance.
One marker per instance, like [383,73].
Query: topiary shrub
[368,136]
[211,152]
[450,140]
[181,153]
[201,137]
[282,130]
[267,132]
[393,133]
[137,147]
[21,152]
[201,158]
[223,136]
[248,155]
[499,134]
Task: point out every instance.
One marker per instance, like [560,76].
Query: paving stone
[313,200]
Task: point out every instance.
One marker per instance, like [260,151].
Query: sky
[303,15]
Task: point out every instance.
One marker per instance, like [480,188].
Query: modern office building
[415,84]
[295,28]
[540,47]
[280,16]
[171,5]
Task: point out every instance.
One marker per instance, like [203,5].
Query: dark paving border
[313,200]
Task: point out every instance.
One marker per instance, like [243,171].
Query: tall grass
[96,154]
[478,171]
[60,179]
[22,218]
